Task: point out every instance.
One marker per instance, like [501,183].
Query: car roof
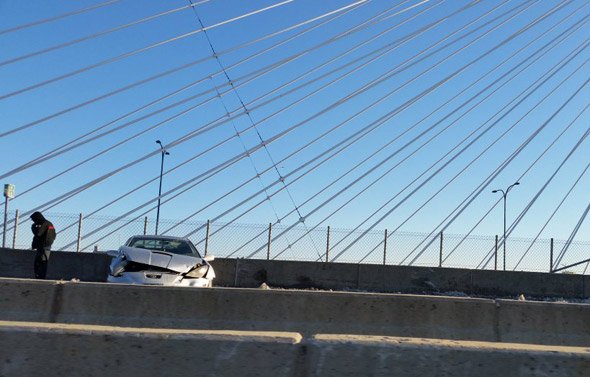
[155,237]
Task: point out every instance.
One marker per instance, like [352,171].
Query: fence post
[328,243]
[79,233]
[207,237]
[4,229]
[269,240]
[385,248]
[15,233]
[496,254]
[440,254]
[145,225]
[551,256]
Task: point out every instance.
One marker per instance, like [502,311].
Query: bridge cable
[501,167]
[428,179]
[486,260]
[168,72]
[287,230]
[252,196]
[96,35]
[135,52]
[549,180]
[565,247]
[448,255]
[58,17]
[234,136]
[203,129]
[449,215]
[555,210]
[442,81]
[60,150]
[251,208]
[561,36]
[569,31]
[193,134]
[212,171]
[249,115]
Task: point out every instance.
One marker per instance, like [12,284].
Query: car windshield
[170,246]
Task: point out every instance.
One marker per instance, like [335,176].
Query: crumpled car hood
[175,262]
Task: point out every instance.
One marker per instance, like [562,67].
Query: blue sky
[21,109]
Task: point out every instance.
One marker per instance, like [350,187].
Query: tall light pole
[504,195]
[164,152]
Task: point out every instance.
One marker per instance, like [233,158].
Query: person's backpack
[51,234]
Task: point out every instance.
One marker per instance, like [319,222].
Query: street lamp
[504,195]
[164,152]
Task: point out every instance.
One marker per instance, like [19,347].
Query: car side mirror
[209,258]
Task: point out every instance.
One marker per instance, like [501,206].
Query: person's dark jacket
[43,232]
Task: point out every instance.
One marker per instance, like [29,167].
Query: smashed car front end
[152,267]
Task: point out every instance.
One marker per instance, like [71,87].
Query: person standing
[43,237]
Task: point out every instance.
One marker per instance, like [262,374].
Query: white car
[161,260]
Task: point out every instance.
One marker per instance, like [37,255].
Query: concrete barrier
[306,312]
[399,279]
[62,265]
[73,350]
[335,355]
[53,350]
[250,273]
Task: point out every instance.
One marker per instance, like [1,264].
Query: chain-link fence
[87,234]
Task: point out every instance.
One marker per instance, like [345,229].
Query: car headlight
[197,272]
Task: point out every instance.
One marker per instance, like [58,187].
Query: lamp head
[495,191]
[162,147]
[516,183]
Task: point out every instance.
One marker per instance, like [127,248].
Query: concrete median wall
[398,279]
[305,312]
[62,265]
[326,276]
[388,356]
[68,350]
[41,349]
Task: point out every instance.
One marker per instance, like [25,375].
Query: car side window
[136,243]
[139,243]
